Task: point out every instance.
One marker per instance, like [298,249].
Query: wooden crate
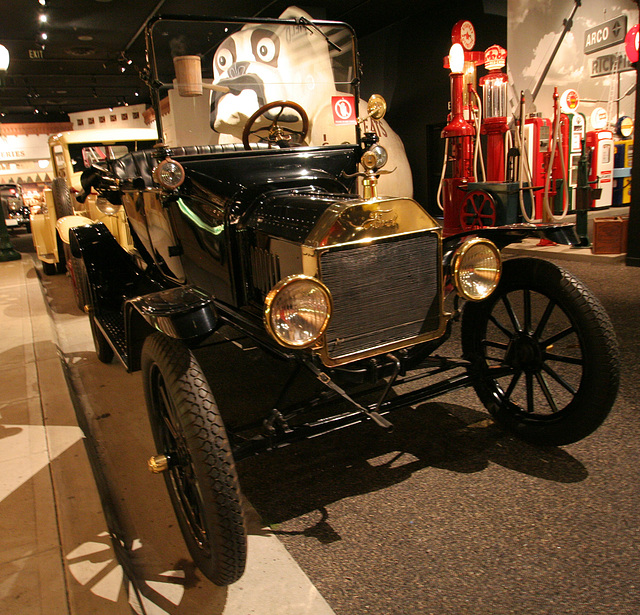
[610,235]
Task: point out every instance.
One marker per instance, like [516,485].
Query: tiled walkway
[49,506]
[56,553]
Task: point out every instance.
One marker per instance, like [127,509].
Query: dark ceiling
[78,67]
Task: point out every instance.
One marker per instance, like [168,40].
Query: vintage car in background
[267,236]
[14,208]
[72,153]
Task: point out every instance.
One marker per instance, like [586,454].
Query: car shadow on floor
[307,477]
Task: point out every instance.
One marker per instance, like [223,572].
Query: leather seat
[140,164]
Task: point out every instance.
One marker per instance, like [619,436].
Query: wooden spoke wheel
[478,210]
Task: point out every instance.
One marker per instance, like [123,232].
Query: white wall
[115,117]
[21,156]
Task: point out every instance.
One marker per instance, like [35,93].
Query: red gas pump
[459,134]
[537,133]
[494,103]
[600,142]
[558,192]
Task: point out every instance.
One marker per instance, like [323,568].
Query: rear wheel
[544,353]
[61,197]
[79,282]
[200,476]
[49,268]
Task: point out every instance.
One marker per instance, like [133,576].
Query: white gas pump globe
[569,101]
[456,58]
[599,118]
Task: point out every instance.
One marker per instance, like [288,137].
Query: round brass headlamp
[297,311]
[476,267]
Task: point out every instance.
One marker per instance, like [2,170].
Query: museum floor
[446,516]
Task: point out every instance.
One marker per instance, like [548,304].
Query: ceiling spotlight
[44,36]
[43,18]
[123,68]
[136,93]
[4,58]
[43,2]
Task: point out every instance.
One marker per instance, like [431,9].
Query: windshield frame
[157,86]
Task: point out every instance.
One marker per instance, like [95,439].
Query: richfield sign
[612,63]
[605,35]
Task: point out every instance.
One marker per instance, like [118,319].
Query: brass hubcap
[158,464]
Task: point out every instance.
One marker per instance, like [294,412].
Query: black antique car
[263,229]
[16,212]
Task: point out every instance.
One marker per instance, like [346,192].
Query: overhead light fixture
[44,36]
[43,18]
[43,2]
[4,58]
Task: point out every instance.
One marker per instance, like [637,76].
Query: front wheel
[544,353]
[200,476]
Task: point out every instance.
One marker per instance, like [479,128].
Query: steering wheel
[275,134]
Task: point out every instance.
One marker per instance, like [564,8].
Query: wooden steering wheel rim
[276,103]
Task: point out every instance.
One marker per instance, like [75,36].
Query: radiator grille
[383,293]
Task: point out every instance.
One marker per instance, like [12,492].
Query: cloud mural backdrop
[534,29]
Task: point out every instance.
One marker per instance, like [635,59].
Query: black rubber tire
[201,479]
[61,197]
[49,268]
[79,281]
[104,351]
[544,353]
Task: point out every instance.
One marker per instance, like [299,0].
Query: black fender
[503,236]
[113,273]
[130,302]
[185,313]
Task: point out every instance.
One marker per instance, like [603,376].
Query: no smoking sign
[344,110]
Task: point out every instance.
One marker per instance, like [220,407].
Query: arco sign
[605,35]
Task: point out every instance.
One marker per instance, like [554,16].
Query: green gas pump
[585,194]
